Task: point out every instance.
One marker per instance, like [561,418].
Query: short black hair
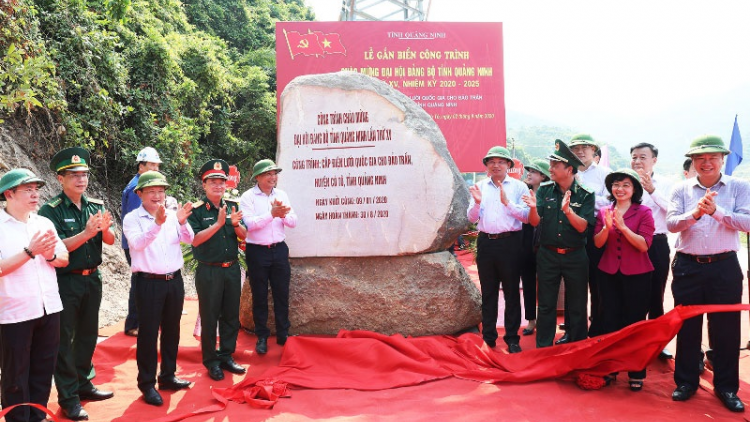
[645,145]
[686,165]
[637,188]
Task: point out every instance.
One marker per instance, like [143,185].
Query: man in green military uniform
[83,225]
[564,212]
[217,279]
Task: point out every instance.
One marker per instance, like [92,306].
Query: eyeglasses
[78,175]
[28,191]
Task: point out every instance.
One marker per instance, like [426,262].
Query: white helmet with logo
[148,155]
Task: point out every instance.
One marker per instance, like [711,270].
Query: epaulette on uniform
[547,183]
[586,188]
[197,204]
[96,201]
[55,202]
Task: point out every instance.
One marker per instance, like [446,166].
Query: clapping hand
[278,209]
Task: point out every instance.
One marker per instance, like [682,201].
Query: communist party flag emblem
[313,43]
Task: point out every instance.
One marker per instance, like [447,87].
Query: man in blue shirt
[147,159]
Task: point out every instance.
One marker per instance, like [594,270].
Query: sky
[584,62]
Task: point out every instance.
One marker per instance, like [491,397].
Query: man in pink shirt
[266,211]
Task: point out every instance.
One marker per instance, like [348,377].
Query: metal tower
[384,10]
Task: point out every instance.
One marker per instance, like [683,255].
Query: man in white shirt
[31,305]
[154,235]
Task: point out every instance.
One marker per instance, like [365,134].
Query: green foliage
[196,80]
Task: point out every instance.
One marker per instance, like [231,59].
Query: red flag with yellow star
[330,42]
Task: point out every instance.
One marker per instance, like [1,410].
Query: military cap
[637,187]
[264,166]
[498,152]
[707,144]
[564,154]
[151,178]
[583,139]
[214,169]
[71,159]
[538,165]
[15,178]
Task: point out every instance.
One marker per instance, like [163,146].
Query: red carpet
[446,398]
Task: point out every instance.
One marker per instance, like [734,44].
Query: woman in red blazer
[625,230]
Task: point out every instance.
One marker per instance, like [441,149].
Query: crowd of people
[603,234]
[51,287]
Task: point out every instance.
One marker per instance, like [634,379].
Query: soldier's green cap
[583,139]
[538,165]
[71,159]
[707,144]
[15,178]
[637,187]
[564,154]
[498,152]
[151,178]
[214,169]
[264,166]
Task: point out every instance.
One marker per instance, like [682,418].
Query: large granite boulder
[412,295]
[366,169]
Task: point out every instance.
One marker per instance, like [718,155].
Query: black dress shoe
[682,393]
[281,340]
[564,339]
[514,348]
[528,331]
[665,355]
[731,401]
[152,397]
[262,346]
[76,413]
[232,366]
[216,373]
[95,395]
[490,343]
[173,383]
[562,326]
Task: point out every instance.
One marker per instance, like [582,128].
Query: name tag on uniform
[207,218]
[575,204]
[70,220]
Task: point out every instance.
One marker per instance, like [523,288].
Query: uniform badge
[557,146]
[208,206]
[75,159]
[575,204]
[217,166]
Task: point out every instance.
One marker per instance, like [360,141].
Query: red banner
[233,179]
[453,70]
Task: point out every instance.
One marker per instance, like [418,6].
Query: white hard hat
[148,155]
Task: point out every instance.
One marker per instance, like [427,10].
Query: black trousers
[131,321]
[269,266]
[528,282]
[658,253]
[219,291]
[29,354]
[698,284]
[498,263]
[625,300]
[159,305]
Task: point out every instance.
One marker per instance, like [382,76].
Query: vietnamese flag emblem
[331,43]
[305,44]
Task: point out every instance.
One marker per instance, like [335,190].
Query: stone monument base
[417,295]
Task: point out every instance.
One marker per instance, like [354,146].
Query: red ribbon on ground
[38,406]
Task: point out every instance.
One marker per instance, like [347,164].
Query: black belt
[271,246]
[219,264]
[660,236]
[561,251]
[166,277]
[494,236]
[85,271]
[707,259]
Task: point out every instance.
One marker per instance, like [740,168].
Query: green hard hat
[583,139]
[71,159]
[17,177]
[498,152]
[151,178]
[564,154]
[264,166]
[538,165]
[637,187]
[707,144]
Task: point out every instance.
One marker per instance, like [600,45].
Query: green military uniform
[562,254]
[218,281]
[80,285]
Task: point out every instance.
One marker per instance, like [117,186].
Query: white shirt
[153,248]
[31,290]
[593,178]
[658,202]
[262,227]
[493,216]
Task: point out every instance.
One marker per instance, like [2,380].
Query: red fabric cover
[364,360]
